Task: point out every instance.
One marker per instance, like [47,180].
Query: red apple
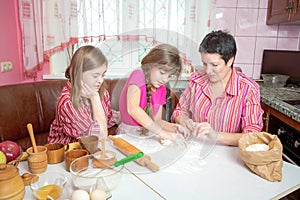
[10,149]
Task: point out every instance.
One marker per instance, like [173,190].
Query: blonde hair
[167,58]
[85,58]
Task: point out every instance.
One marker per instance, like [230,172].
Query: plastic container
[274,80]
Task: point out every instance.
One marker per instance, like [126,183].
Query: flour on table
[166,142]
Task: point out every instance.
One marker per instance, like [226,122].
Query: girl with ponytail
[144,94]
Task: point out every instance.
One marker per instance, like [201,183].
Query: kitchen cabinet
[269,111]
[283,12]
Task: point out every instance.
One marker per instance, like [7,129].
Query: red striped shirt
[69,122]
[238,110]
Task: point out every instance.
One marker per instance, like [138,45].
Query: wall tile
[256,71]
[263,3]
[262,28]
[226,3]
[289,31]
[246,21]
[248,4]
[261,44]
[225,19]
[245,49]
[288,43]
[247,69]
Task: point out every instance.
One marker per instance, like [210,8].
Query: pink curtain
[50,26]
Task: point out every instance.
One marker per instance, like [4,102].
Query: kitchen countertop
[275,96]
[202,171]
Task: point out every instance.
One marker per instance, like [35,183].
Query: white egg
[98,194]
[80,195]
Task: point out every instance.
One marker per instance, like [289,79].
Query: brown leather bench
[35,103]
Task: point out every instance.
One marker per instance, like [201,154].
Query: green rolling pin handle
[129,159]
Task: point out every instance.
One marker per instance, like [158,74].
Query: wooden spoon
[30,130]
[103,148]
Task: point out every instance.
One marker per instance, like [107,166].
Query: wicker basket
[16,161]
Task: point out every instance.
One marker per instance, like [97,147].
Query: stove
[295,103]
[289,137]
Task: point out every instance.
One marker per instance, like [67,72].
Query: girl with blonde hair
[83,107]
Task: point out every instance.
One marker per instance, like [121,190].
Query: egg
[98,194]
[80,195]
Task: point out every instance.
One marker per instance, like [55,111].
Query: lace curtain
[124,29]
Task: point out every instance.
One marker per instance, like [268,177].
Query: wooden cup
[90,143]
[72,146]
[37,162]
[72,155]
[55,152]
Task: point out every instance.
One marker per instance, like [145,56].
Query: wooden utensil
[102,148]
[28,177]
[30,130]
[128,149]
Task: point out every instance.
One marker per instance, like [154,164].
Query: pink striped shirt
[69,122]
[237,111]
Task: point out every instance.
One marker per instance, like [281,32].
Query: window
[125,30]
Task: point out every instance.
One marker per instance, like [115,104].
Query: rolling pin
[128,149]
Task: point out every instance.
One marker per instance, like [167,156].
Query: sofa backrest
[25,103]
[35,103]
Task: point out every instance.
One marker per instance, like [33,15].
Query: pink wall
[245,19]
[11,44]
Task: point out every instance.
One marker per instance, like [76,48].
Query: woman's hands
[198,129]
[188,124]
[172,128]
[205,128]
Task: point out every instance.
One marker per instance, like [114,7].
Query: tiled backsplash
[246,21]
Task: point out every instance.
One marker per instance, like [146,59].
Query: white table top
[219,175]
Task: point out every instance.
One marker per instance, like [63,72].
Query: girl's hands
[166,135]
[87,91]
[184,131]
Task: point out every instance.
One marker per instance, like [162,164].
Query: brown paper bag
[267,164]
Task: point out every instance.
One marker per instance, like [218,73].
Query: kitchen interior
[267,33]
